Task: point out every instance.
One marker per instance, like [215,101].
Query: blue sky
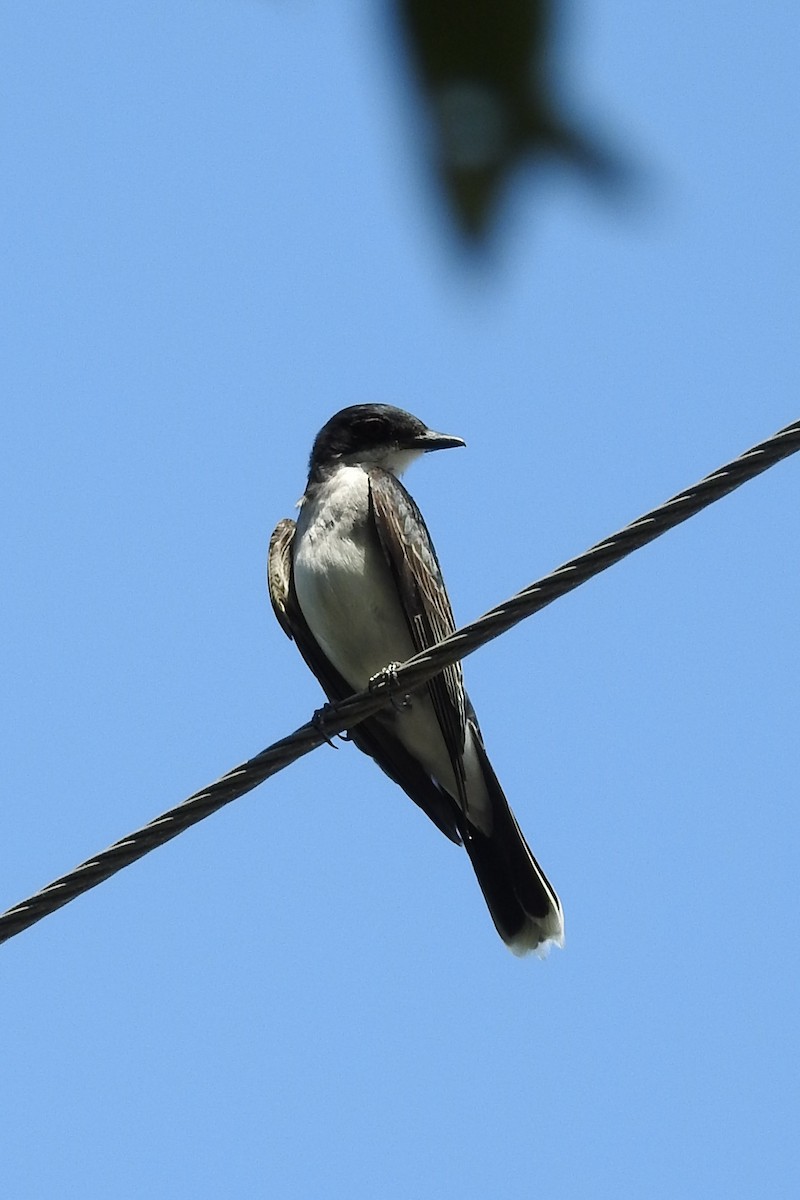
[216,231]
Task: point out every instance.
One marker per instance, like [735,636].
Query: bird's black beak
[431,440]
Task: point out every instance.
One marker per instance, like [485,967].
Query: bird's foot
[387,678]
[318,721]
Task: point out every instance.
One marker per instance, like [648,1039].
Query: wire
[333,719]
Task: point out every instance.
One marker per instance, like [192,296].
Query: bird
[357,585]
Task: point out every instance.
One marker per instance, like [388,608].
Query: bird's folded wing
[412,560]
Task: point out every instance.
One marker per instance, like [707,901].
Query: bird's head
[375,435]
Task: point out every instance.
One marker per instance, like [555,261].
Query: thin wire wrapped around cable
[407,678]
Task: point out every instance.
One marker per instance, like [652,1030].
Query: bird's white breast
[343,582]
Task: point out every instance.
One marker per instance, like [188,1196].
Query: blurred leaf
[488,72]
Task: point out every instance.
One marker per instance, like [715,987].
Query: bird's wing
[280,583]
[412,560]
[371,736]
[279,572]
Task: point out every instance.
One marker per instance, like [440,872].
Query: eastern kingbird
[356,584]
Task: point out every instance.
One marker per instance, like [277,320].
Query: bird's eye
[373,427]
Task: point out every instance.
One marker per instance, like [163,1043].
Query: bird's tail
[524,906]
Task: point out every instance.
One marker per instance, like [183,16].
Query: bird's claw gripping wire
[387,678]
[318,721]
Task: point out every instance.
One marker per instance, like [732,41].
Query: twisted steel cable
[409,677]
